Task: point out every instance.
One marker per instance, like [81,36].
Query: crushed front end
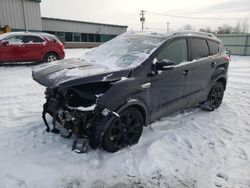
[76,110]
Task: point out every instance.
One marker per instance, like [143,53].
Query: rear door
[203,66]
[33,48]
[169,89]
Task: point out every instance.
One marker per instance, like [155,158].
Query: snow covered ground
[189,149]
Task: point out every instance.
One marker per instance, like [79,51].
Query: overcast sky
[126,12]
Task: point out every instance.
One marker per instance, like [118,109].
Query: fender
[138,103]
[220,73]
[106,120]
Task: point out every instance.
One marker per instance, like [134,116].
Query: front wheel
[123,131]
[215,97]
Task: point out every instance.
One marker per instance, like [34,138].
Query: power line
[190,17]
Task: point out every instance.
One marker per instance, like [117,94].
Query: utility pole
[168,26]
[142,19]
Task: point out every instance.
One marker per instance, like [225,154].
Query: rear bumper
[61,55]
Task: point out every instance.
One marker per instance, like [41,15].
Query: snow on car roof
[166,34]
[151,33]
[2,36]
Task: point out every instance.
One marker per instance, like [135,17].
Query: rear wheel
[123,131]
[50,57]
[215,97]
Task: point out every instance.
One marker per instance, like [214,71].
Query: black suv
[106,97]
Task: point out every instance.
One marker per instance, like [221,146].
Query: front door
[170,89]
[13,50]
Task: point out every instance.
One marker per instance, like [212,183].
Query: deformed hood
[72,72]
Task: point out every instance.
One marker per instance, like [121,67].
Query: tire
[123,131]
[50,57]
[215,97]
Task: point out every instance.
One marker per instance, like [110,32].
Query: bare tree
[224,29]
[187,27]
[206,29]
[245,26]
[237,28]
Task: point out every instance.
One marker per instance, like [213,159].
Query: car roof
[39,34]
[170,34]
[196,34]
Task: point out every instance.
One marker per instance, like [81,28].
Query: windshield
[126,50]
[4,35]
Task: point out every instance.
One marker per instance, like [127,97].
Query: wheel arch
[51,52]
[139,105]
[220,74]
[223,80]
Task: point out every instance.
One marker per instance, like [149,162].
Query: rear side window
[32,39]
[213,47]
[176,51]
[199,48]
[53,39]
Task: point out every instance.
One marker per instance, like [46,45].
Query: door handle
[213,64]
[185,72]
[146,85]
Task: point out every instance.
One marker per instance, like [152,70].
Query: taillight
[61,44]
[227,58]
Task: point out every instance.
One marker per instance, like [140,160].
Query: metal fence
[237,44]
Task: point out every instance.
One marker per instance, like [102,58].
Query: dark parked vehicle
[107,96]
[28,46]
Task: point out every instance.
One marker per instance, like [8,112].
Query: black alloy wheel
[215,97]
[123,131]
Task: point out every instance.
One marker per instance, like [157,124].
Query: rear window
[199,48]
[213,47]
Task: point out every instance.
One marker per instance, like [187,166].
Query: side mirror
[164,65]
[4,43]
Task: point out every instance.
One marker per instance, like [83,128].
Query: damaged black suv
[105,98]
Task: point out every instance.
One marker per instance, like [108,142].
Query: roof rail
[193,32]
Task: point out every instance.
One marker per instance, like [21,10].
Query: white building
[25,15]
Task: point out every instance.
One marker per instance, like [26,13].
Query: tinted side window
[84,37]
[91,38]
[199,48]
[32,39]
[176,51]
[213,47]
[98,38]
[68,37]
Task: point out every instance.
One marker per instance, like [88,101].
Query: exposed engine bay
[76,109]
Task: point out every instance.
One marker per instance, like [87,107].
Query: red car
[28,46]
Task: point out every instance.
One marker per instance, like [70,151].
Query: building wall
[237,44]
[59,25]
[81,32]
[81,44]
[33,15]
[12,14]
